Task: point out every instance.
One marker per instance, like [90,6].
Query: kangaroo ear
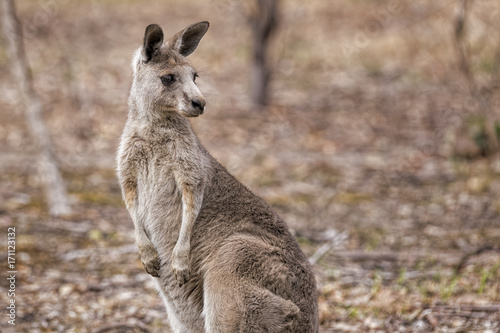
[186,41]
[153,40]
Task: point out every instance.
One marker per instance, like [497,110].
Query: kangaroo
[221,258]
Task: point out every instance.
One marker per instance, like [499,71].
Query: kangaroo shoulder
[132,147]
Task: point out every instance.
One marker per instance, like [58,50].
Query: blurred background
[376,138]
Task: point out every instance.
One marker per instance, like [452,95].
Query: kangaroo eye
[168,79]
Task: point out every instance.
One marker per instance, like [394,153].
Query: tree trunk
[55,191]
[263,20]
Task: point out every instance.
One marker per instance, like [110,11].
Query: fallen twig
[83,253]
[470,308]
[461,264]
[73,227]
[366,256]
[335,241]
[122,328]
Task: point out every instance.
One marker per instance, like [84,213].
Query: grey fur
[222,259]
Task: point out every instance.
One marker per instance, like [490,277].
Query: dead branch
[467,311]
[335,240]
[55,191]
[463,261]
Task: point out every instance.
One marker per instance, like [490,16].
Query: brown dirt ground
[357,151]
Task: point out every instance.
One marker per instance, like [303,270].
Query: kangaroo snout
[198,104]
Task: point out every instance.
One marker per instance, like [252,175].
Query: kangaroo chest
[159,199]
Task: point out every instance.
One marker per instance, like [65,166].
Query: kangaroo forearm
[184,239]
[192,197]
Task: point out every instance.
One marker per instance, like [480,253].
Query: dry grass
[360,138]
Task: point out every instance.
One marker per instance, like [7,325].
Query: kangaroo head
[164,81]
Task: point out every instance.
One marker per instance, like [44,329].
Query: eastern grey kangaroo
[222,259]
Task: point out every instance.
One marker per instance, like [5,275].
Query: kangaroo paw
[151,261]
[180,266]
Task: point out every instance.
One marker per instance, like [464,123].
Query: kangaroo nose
[199,104]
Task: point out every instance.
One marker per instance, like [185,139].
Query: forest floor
[357,152]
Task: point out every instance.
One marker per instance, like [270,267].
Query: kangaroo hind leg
[235,295]
[267,312]
[250,310]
